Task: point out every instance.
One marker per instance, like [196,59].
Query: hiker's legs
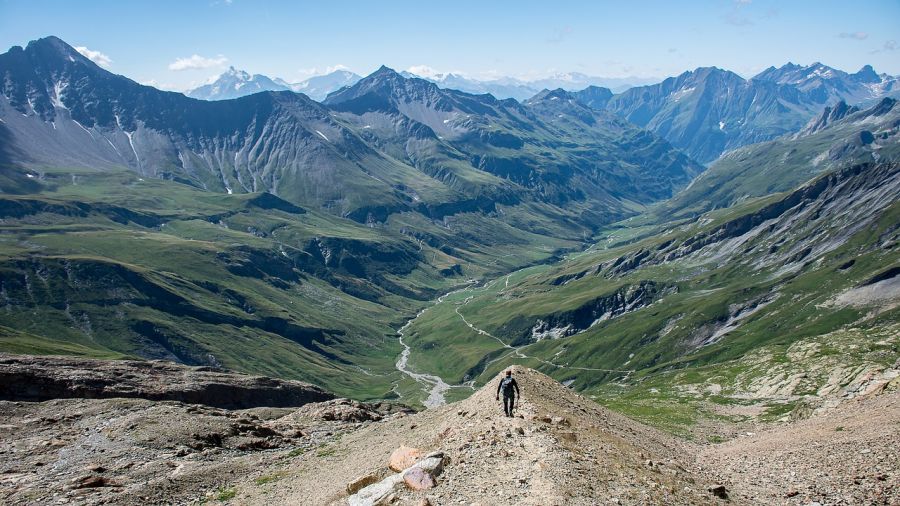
[508,401]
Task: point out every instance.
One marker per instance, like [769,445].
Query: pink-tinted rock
[418,479]
[404,457]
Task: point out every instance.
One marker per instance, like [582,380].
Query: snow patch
[131,142]
[681,93]
[56,99]
[322,135]
[85,129]
[114,147]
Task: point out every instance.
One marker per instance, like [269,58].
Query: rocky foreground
[561,448]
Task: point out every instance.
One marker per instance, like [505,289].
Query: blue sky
[146,40]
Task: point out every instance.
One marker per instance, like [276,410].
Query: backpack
[507,385]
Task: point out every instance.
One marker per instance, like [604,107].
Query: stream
[435,386]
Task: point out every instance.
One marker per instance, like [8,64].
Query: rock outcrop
[415,473]
[37,378]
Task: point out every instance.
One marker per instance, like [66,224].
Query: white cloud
[197,62]
[854,35]
[95,56]
[743,2]
[890,45]
[161,86]
[425,71]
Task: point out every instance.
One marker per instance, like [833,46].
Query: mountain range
[235,83]
[708,111]
[572,232]
[375,201]
[704,112]
[521,89]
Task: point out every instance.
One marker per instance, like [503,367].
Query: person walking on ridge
[510,392]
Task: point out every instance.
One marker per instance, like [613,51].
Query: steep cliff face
[566,323]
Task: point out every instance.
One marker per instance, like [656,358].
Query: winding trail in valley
[517,350]
[434,385]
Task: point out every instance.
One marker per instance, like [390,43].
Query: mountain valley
[265,292]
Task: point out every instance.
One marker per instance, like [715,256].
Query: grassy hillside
[110,264]
[642,315]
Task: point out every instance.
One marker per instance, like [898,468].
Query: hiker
[507,384]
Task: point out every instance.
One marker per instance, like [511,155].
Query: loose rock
[404,457]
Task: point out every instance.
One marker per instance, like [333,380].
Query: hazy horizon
[181,45]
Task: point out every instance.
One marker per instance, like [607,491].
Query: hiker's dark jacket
[507,384]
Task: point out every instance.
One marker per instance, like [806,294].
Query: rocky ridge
[34,378]
[560,448]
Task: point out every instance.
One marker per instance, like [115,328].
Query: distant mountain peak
[384,70]
[557,94]
[237,73]
[867,75]
[829,115]
[235,83]
[386,83]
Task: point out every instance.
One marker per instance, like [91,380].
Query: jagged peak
[385,83]
[53,45]
[885,106]
[384,70]
[866,74]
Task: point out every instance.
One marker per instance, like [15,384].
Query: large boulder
[404,457]
[419,476]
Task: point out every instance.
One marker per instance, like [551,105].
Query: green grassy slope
[646,312]
[109,264]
